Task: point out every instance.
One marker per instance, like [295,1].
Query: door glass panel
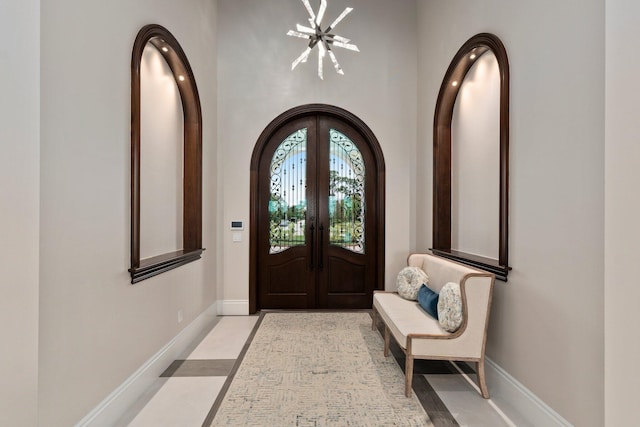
[287,201]
[346,193]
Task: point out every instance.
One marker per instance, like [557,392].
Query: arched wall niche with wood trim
[191,250]
[462,62]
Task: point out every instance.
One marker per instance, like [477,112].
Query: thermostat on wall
[236,225]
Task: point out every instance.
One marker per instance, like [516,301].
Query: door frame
[379,207]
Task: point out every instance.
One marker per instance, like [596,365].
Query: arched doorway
[317,212]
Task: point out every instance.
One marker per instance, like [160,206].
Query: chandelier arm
[320,57]
[302,58]
[346,46]
[336,65]
[335,37]
[321,11]
[344,13]
[297,34]
[304,29]
[310,10]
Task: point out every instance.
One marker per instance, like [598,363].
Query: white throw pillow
[409,281]
[450,307]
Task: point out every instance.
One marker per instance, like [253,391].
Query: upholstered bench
[420,336]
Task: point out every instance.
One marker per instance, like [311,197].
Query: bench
[420,335]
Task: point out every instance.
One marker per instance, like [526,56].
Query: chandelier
[324,39]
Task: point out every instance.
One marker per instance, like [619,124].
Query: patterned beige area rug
[318,369]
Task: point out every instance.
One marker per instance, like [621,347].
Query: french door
[317,241]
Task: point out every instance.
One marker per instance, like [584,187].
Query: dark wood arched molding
[455,75]
[192,249]
[284,118]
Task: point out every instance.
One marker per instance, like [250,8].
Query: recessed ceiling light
[165,49]
[473,56]
[181,78]
[455,83]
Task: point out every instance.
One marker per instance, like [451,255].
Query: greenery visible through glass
[287,202]
[346,193]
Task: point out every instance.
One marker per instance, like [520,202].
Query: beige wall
[622,210]
[96,328]
[547,327]
[256,84]
[19,216]
[161,158]
[475,161]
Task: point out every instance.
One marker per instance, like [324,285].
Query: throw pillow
[428,300]
[450,307]
[409,281]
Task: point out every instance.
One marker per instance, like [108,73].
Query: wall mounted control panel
[237,226]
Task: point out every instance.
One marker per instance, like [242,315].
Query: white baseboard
[518,402]
[112,408]
[233,307]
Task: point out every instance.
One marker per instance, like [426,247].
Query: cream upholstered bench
[420,335]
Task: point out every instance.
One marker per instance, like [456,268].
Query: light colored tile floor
[181,401]
[186,401]
[465,403]
[226,339]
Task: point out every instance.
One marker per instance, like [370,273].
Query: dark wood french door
[317,230]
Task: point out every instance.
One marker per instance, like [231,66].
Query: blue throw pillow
[428,300]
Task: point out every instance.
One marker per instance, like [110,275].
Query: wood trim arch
[458,69]
[371,140]
[177,60]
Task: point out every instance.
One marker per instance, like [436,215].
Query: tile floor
[185,394]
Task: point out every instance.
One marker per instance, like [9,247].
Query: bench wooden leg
[481,379]
[374,316]
[408,373]
[387,339]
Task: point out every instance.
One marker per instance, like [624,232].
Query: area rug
[317,369]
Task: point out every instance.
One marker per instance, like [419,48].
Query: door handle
[312,230]
[321,260]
